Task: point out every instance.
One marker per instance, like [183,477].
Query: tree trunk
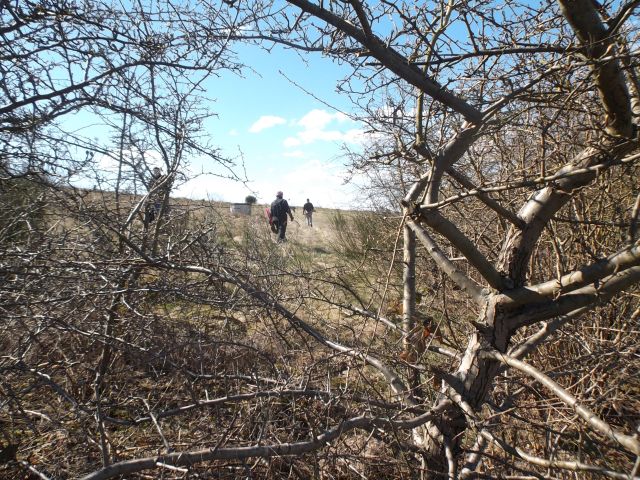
[472,382]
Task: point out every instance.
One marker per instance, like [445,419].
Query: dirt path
[321,235]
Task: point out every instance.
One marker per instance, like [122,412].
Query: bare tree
[76,254]
[505,145]
[521,117]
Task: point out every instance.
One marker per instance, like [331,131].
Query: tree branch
[475,291]
[609,78]
[544,204]
[629,257]
[392,60]
[486,199]
[573,466]
[459,240]
[628,442]
[589,296]
[318,442]
[538,181]
[444,161]
[547,329]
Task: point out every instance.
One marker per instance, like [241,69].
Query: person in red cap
[279,211]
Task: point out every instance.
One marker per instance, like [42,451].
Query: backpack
[277,209]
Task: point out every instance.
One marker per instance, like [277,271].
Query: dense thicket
[482,324]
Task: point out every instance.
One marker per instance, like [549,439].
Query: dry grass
[94,333]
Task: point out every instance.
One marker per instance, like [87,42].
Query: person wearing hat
[279,211]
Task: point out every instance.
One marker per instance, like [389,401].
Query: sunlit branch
[375,316]
[460,241]
[547,329]
[615,23]
[474,290]
[635,215]
[538,181]
[33,470]
[317,442]
[264,298]
[629,442]
[617,262]
[589,296]
[544,204]
[609,78]
[572,466]
[456,397]
[428,185]
[394,380]
[454,393]
[486,199]
[259,394]
[450,154]
[392,60]
[474,459]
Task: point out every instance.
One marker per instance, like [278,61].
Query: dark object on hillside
[159,187]
[279,211]
[307,211]
[8,453]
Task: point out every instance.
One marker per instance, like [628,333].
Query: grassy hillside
[114,324]
[189,342]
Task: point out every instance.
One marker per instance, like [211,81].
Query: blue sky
[289,140]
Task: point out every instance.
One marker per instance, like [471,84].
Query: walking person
[156,195]
[307,210]
[279,211]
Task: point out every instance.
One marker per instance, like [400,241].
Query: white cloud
[301,170]
[318,119]
[355,136]
[315,128]
[266,121]
[310,136]
[291,142]
[210,187]
[319,181]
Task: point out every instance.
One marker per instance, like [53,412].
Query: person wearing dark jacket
[307,210]
[279,211]
[156,196]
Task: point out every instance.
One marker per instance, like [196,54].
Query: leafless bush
[505,138]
